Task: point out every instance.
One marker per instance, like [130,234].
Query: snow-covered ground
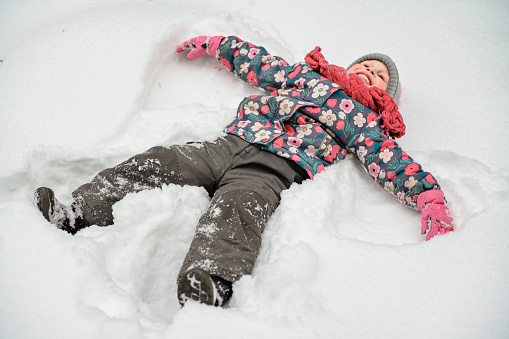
[84,84]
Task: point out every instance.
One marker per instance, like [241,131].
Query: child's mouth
[365,78]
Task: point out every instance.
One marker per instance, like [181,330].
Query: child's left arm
[396,172]
[436,217]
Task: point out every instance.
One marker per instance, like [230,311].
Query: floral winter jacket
[310,119]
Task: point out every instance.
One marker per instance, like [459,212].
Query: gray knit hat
[394,86]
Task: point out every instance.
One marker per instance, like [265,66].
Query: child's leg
[151,169]
[200,164]
[228,235]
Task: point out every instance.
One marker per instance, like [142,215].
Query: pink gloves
[436,217]
[201,45]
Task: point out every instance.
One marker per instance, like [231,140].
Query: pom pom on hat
[394,86]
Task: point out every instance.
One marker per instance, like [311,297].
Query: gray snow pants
[245,184]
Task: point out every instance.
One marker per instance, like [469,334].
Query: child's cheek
[381,84]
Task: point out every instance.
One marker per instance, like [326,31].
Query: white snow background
[85,84]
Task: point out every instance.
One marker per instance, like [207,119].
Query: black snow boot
[67,218]
[196,284]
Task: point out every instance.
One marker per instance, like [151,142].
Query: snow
[87,83]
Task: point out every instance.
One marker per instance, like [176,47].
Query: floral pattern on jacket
[312,121]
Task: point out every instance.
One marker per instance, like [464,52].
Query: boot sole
[196,284]
[45,200]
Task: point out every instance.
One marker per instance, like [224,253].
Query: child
[315,115]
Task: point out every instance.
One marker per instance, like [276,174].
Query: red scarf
[375,98]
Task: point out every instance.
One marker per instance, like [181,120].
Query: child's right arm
[250,63]
[255,65]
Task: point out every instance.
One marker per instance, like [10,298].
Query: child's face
[373,72]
